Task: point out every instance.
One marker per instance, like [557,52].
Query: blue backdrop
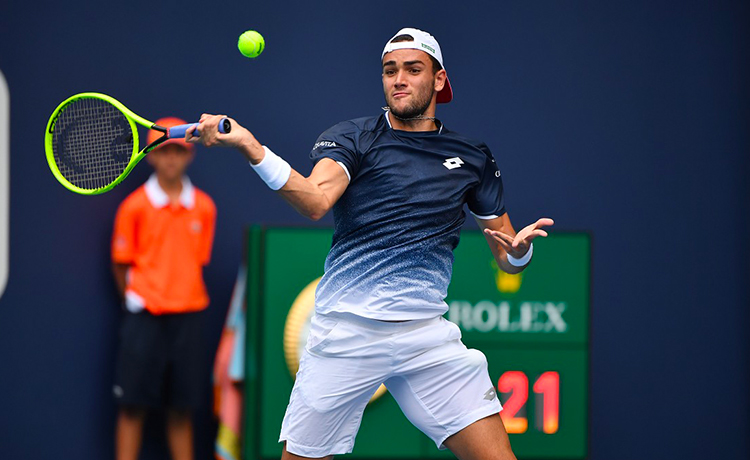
[628,119]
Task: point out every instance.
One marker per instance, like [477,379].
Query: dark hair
[408,38]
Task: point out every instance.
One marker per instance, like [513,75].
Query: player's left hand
[518,246]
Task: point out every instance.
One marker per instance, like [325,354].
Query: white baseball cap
[422,41]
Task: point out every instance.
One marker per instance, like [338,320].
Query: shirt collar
[159,198]
[387,115]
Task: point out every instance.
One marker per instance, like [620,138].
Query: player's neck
[426,123]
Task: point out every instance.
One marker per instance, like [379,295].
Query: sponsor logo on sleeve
[324,144]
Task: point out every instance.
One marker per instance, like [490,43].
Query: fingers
[544,222]
[524,239]
[505,240]
[189,137]
[500,236]
[528,234]
[208,127]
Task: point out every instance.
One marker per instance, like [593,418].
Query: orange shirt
[166,246]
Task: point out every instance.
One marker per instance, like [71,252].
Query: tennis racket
[91,142]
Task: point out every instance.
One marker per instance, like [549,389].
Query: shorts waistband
[381,325]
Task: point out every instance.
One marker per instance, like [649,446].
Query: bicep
[331,178]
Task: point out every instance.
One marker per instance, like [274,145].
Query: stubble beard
[417,108]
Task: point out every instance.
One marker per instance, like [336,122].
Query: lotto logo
[453,163]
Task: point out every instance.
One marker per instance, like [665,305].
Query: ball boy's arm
[120,272]
[311,196]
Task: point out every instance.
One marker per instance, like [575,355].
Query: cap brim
[446,94]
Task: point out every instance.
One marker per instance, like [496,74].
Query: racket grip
[179,131]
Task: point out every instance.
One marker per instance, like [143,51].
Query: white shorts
[440,385]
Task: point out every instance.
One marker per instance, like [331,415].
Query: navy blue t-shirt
[399,220]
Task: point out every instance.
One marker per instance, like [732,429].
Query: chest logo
[453,163]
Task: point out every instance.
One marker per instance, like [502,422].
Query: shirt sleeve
[209,228]
[124,235]
[486,200]
[339,143]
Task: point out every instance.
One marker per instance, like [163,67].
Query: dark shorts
[159,361]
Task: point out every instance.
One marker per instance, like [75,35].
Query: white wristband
[523,260]
[273,170]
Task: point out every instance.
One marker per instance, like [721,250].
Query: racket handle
[179,131]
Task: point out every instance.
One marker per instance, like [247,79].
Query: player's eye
[389,72]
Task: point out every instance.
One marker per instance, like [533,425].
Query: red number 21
[547,387]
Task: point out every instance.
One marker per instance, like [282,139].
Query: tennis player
[162,239]
[397,184]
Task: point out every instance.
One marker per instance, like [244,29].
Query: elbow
[316,215]
[317,211]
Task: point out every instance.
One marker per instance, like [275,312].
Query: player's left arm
[504,241]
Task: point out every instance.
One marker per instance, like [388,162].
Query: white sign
[4,180]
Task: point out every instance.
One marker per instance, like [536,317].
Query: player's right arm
[315,195]
[311,196]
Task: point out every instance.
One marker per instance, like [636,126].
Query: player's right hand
[239,137]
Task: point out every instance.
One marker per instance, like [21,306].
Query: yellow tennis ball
[251,44]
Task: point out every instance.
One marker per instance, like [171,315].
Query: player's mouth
[399,94]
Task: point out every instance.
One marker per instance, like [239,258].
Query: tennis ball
[251,44]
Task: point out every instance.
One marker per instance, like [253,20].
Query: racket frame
[135,156]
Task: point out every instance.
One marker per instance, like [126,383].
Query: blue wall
[628,119]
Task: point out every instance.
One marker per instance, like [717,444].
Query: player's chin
[399,107]
[396,101]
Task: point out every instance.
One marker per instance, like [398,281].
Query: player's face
[409,83]
[170,161]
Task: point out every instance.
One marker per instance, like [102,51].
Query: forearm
[305,196]
[251,149]
[500,237]
[312,197]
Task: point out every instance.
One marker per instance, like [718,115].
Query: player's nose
[400,79]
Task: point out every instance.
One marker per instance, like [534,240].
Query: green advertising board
[533,328]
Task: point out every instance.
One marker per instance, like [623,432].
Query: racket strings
[92,143]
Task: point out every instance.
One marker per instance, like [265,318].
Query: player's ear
[440,77]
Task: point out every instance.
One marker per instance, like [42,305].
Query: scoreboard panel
[533,328]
